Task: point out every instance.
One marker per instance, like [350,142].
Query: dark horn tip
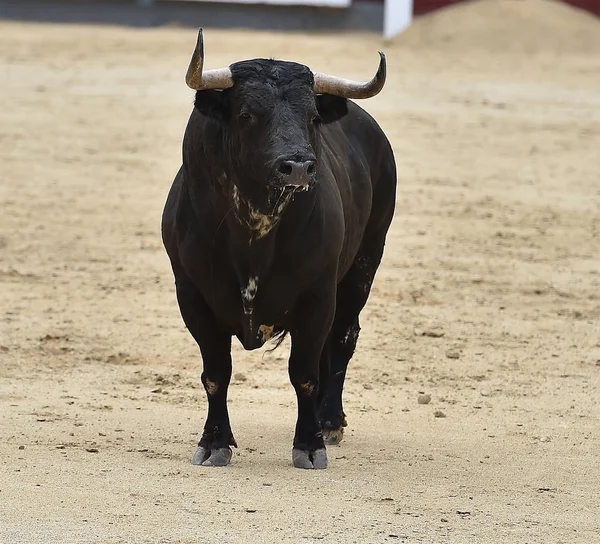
[382,62]
[200,42]
[380,77]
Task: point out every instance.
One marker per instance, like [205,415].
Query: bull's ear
[211,103]
[331,108]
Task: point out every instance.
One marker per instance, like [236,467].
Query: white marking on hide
[211,387]
[249,293]
[266,332]
[235,195]
[282,206]
[307,388]
[261,223]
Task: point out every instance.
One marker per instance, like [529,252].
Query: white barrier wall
[325,3]
[397,16]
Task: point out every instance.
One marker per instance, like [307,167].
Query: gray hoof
[309,459]
[212,458]
[333,437]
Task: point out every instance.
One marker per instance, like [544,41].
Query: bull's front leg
[215,347]
[313,320]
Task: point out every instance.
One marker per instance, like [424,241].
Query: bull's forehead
[268,74]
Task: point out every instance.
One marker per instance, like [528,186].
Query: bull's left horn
[346,88]
[211,79]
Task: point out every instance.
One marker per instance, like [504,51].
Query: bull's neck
[254,222]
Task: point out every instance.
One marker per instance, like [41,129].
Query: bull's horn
[210,79]
[326,84]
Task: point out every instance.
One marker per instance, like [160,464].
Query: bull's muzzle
[297,175]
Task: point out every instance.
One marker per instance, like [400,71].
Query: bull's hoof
[309,459]
[333,437]
[212,458]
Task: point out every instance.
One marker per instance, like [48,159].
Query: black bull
[276,223]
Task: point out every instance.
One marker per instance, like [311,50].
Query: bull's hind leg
[215,347]
[313,319]
[352,295]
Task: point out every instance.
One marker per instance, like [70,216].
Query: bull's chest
[253,306]
[262,316]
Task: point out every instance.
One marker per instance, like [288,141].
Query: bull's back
[364,169]
[382,166]
[169,220]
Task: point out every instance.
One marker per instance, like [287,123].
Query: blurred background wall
[270,15]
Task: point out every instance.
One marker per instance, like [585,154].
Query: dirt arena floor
[488,297]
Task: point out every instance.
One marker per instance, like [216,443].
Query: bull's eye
[246,116]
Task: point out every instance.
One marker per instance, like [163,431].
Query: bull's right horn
[211,79]
[326,84]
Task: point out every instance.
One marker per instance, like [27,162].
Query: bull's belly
[254,334]
[253,329]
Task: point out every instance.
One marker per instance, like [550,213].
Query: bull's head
[269,113]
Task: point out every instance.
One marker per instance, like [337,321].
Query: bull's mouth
[281,194]
[298,187]
[278,189]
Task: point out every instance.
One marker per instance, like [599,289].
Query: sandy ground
[488,299]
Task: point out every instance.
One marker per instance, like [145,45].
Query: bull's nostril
[296,169]
[286,168]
